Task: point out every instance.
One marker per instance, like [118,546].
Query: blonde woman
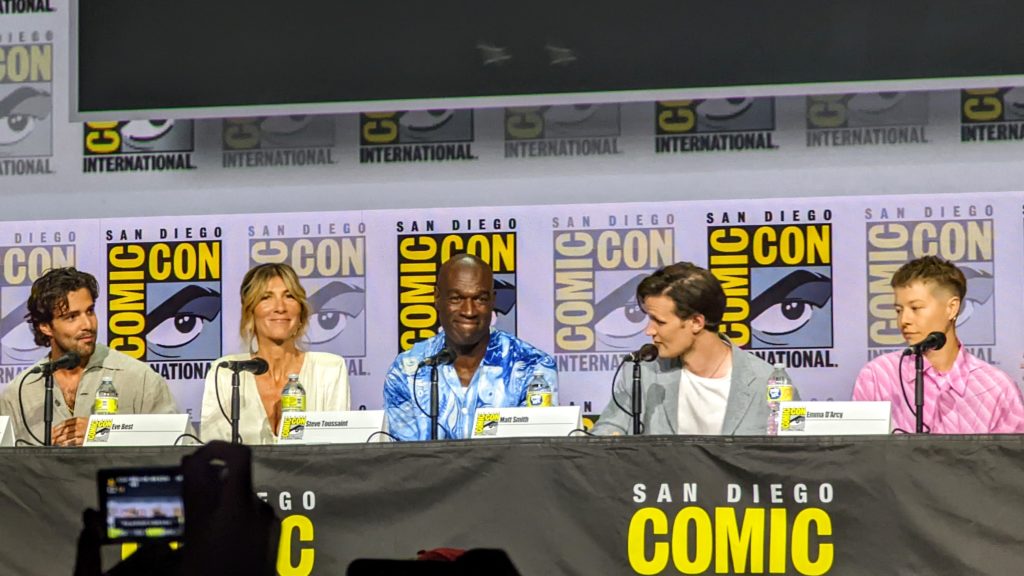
[275,315]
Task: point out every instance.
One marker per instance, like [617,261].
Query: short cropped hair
[254,285]
[49,297]
[931,269]
[694,290]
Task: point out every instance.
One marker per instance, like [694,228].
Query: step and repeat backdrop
[170,214]
[806,280]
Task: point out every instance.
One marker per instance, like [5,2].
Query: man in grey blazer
[700,383]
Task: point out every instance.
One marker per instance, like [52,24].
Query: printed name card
[6,432]
[353,426]
[834,418]
[136,429]
[524,422]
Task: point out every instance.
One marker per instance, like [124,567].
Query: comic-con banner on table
[806,281]
[635,506]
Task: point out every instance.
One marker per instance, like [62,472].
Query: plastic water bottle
[293,397]
[539,392]
[780,389]
[106,397]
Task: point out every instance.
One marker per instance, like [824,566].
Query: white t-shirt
[702,402]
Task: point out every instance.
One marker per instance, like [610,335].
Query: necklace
[728,353]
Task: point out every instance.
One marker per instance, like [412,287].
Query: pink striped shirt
[972,398]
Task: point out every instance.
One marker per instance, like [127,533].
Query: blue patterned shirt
[500,381]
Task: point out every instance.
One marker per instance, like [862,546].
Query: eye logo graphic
[26,106]
[791,309]
[778,284]
[164,300]
[137,146]
[992,114]
[416,136]
[619,321]
[183,321]
[576,130]
[721,124]
[25,121]
[596,274]
[278,132]
[976,322]
[337,322]
[17,343]
[278,141]
[138,137]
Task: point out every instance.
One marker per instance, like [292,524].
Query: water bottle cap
[107,379]
[779,366]
[293,376]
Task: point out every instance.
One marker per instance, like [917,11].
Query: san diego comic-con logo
[30,256]
[12,7]
[723,124]
[333,272]
[777,277]
[732,528]
[992,114]
[556,131]
[421,251]
[416,136]
[598,264]
[26,103]
[962,234]
[278,141]
[138,146]
[164,298]
[867,119]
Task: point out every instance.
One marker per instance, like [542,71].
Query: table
[594,506]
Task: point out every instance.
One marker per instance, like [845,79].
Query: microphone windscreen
[648,352]
[259,366]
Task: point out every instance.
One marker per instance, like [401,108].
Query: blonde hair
[254,285]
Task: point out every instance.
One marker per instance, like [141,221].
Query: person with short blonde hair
[962,393]
[275,315]
[253,287]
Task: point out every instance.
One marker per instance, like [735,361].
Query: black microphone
[646,353]
[67,361]
[255,365]
[933,341]
[445,356]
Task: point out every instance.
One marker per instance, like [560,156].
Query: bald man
[491,369]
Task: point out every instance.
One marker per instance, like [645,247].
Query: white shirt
[323,375]
[702,403]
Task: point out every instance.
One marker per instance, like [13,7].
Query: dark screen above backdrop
[161,54]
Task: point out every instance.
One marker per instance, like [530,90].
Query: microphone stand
[434,409]
[236,438]
[47,406]
[637,400]
[919,390]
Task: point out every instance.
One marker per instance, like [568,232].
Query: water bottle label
[780,393]
[105,406]
[538,399]
[293,404]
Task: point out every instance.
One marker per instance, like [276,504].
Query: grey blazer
[746,412]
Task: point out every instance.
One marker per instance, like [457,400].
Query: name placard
[350,427]
[135,429]
[834,418]
[6,432]
[522,422]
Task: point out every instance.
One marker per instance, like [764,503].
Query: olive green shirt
[140,390]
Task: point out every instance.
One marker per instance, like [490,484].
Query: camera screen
[142,504]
